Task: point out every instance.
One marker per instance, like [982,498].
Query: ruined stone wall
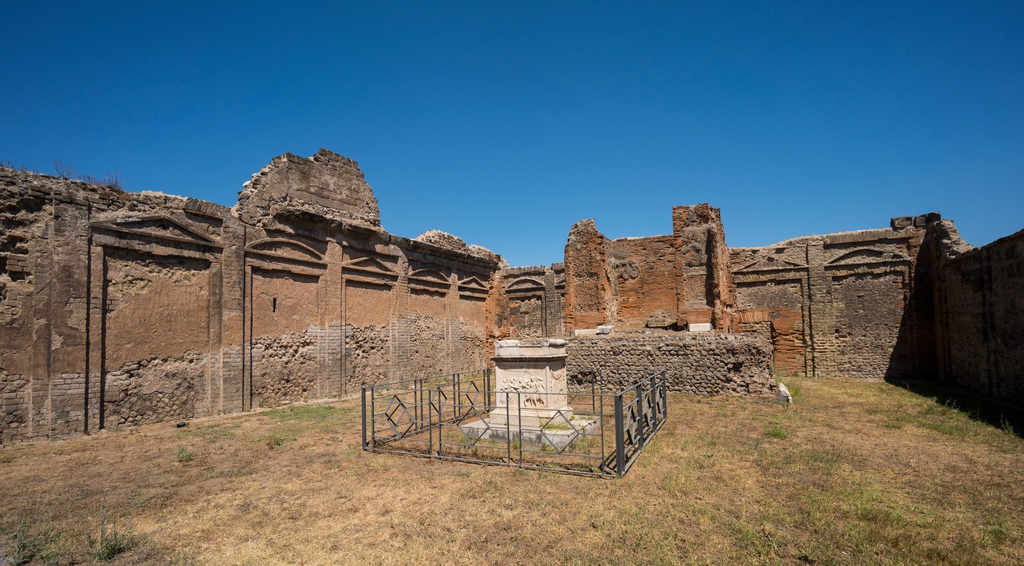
[856,304]
[587,287]
[697,363]
[126,308]
[644,273]
[981,310]
[654,282]
[837,305]
[530,302]
[707,293]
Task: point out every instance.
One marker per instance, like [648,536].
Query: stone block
[901,222]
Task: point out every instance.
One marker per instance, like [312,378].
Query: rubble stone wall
[654,282]
[124,308]
[697,363]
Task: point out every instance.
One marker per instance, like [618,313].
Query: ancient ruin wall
[706,290]
[529,302]
[837,305]
[697,363]
[981,309]
[325,185]
[644,273]
[126,308]
[587,289]
[654,282]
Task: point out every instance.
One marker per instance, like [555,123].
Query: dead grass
[852,473]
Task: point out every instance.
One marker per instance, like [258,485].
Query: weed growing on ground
[1006,426]
[32,542]
[775,431]
[184,454]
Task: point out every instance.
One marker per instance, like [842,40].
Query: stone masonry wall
[697,363]
[981,306]
[529,302]
[837,305]
[124,308]
[656,282]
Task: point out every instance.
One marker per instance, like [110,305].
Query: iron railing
[460,417]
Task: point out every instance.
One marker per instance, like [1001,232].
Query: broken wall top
[325,185]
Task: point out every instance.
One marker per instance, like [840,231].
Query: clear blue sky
[504,123]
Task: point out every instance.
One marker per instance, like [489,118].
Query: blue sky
[504,123]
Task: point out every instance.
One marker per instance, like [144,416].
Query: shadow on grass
[1005,417]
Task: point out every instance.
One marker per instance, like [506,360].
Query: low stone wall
[700,364]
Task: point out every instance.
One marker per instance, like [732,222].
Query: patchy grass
[851,473]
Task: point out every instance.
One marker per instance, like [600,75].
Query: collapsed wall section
[697,363]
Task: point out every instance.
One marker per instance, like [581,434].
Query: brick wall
[126,308]
[981,305]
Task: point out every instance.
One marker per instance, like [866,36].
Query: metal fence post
[440,426]
[664,394]
[640,414]
[620,440]
[364,417]
[519,423]
[487,387]
[373,416]
[508,428]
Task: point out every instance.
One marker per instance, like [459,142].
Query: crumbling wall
[529,302]
[697,363]
[837,305]
[587,289]
[326,185]
[657,282]
[707,293]
[981,307]
[127,308]
[644,273]
[154,389]
[774,310]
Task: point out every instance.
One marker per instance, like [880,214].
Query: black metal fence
[461,417]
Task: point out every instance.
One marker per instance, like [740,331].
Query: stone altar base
[558,434]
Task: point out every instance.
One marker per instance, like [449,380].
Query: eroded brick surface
[127,308]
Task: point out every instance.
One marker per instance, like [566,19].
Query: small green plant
[185,455]
[1006,426]
[775,431]
[112,540]
[33,543]
[274,441]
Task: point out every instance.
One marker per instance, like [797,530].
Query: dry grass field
[852,473]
